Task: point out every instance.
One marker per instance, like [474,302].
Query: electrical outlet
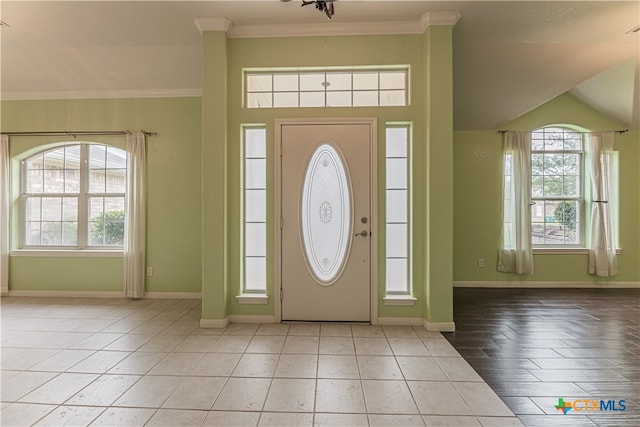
[480,262]
[149,271]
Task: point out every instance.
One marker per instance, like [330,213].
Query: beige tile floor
[111,362]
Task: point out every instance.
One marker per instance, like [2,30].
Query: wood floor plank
[537,345]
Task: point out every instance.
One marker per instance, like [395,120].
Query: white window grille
[557,187]
[73,196]
[339,88]
[255,209]
[397,210]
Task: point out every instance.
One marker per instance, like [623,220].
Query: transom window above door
[327,88]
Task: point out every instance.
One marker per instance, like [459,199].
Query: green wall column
[439,175]
[214,179]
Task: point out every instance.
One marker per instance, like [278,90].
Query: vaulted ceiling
[509,56]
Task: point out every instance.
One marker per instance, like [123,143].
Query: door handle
[363,233]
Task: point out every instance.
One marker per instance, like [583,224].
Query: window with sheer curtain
[557,187]
[560,192]
[73,197]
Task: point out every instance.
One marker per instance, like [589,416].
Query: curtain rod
[75,133]
[616,131]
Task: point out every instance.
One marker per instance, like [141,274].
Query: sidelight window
[397,210]
[255,209]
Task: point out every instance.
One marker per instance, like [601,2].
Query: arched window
[557,187]
[73,197]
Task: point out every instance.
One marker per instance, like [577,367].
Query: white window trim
[66,253]
[402,298]
[82,248]
[581,249]
[253,298]
[328,70]
[399,300]
[540,248]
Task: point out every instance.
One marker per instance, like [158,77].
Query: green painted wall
[326,51]
[215,177]
[173,189]
[66,274]
[438,162]
[477,180]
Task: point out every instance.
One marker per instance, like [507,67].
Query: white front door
[326,221]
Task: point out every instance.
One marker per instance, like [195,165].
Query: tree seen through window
[74,197]
[556,186]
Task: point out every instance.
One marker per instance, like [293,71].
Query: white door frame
[373,189]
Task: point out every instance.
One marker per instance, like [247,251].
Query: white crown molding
[328,28]
[102,94]
[213,24]
[430,19]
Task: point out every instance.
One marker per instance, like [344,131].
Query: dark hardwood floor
[534,346]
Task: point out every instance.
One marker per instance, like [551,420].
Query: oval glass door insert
[326,214]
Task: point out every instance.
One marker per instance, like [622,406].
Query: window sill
[565,251]
[399,300]
[258,299]
[66,253]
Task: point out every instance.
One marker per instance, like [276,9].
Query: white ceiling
[509,56]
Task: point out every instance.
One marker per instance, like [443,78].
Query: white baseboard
[67,294]
[439,326]
[236,318]
[399,321]
[557,285]
[214,323]
[245,318]
[101,294]
[173,295]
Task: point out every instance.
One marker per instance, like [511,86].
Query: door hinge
[281,294]
[281,223]
[281,150]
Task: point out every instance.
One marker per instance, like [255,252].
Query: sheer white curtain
[515,255]
[4,214]
[135,228]
[602,246]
